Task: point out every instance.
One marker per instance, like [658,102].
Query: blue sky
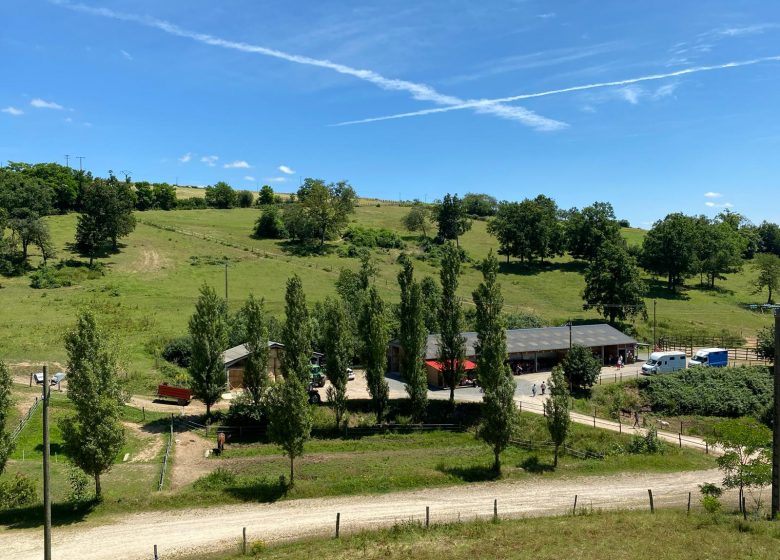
[256,92]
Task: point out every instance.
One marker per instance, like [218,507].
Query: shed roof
[545,339]
[237,353]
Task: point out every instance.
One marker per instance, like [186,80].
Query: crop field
[148,290]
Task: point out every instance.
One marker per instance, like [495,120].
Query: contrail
[418,91]
[482,103]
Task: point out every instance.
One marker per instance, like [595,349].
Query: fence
[166,457]
[736,353]
[24,420]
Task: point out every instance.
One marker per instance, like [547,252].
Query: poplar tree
[6,401]
[499,416]
[556,409]
[413,336]
[296,333]
[209,333]
[338,352]
[374,333]
[451,350]
[256,364]
[94,435]
[290,419]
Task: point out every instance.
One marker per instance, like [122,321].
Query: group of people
[543,387]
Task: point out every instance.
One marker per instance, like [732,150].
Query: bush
[191,204]
[270,224]
[245,199]
[19,491]
[79,482]
[218,479]
[582,368]
[711,504]
[373,238]
[352,252]
[243,412]
[179,351]
[46,277]
[710,489]
[726,392]
[523,321]
[649,444]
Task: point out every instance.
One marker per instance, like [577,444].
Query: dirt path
[201,530]
[189,459]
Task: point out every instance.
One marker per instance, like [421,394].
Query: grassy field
[149,288]
[597,536]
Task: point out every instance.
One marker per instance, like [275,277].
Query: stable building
[234,360]
[530,349]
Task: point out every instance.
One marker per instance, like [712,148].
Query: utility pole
[67,161]
[126,173]
[655,339]
[46,475]
[226,282]
[776,431]
[81,162]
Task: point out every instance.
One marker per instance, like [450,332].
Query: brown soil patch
[189,461]
[153,443]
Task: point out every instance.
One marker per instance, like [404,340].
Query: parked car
[350,374]
[57,377]
[38,377]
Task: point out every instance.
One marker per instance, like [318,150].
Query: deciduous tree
[767,267]
[556,409]
[450,215]
[94,435]
[296,334]
[325,207]
[614,285]
[581,367]
[669,249]
[418,219]
[451,341]
[256,364]
[412,336]
[6,402]
[338,355]
[209,333]
[289,418]
[221,195]
[373,329]
[587,230]
[266,196]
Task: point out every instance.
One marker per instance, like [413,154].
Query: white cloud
[126,54]
[248,178]
[39,103]
[12,111]
[710,204]
[211,161]
[512,98]
[746,30]
[713,195]
[631,94]
[418,91]
[68,119]
[548,15]
[275,179]
[664,91]
[286,170]
[186,157]
[238,164]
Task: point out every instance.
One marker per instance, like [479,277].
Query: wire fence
[25,419]
[736,352]
[166,458]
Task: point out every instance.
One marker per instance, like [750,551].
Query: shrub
[79,482]
[243,412]
[19,491]
[270,224]
[582,368]
[710,489]
[521,320]
[711,504]
[729,392]
[178,351]
[193,203]
[46,277]
[245,199]
[649,444]
[217,479]
[373,238]
[352,252]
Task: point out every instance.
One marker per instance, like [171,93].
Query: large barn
[532,349]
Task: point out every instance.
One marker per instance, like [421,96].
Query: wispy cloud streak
[481,103]
[418,91]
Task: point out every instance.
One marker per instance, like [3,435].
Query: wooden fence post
[594,416]
[155,553]
[689,502]
[652,505]
[338,524]
[427,516]
[680,438]
[574,509]
[706,447]
[243,548]
[495,510]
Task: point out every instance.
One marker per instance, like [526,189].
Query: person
[636,419]
[620,361]
[519,368]
[543,387]
[533,390]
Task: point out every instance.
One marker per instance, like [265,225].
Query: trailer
[182,395]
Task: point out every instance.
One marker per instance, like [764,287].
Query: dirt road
[201,530]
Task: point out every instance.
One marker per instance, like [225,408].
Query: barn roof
[238,353]
[545,339]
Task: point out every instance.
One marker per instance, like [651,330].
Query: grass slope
[150,287]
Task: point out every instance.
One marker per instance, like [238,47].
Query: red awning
[468,365]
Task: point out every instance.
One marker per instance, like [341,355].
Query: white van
[664,362]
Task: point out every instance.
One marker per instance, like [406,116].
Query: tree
[481,205]
[719,249]
[338,353]
[451,341]
[94,435]
[106,215]
[767,266]
[431,296]
[581,367]
[498,409]
[6,403]
[374,332]
[296,334]
[256,364]
[769,238]
[270,224]
[289,418]
[29,228]
[417,219]
[556,409]
[266,196]
[221,195]
[165,196]
[60,181]
[613,284]
[144,196]
[450,215]
[209,333]
[412,336]
[765,343]
[325,208]
[747,457]
[245,199]
[528,230]
[669,249]
[587,230]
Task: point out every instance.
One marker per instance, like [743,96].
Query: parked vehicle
[38,377]
[350,374]
[317,376]
[711,357]
[664,362]
[57,377]
[182,395]
[314,394]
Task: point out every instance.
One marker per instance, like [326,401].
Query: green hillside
[148,291]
